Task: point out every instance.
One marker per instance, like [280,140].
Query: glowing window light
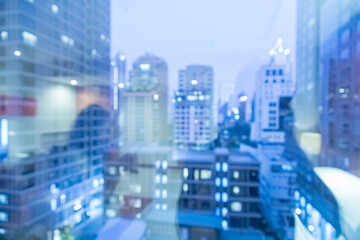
[225,167]
[164,179]
[29,38]
[225,197]
[224,212]
[236,206]
[54,8]
[225,182]
[218,166]
[122,58]
[298,211]
[157,193]
[311,228]
[157,164]
[156,97]
[165,165]
[77,205]
[185,173]
[243,98]
[224,224]
[17,53]
[185,187]
[121,85]
[236,190]
[164,193]
[157,178]
[53,204]
[4,35]
[96,183]
[164,207]
[217,197]
[4,132]
[73,82]
[217,182]
[145,67]
[194,82]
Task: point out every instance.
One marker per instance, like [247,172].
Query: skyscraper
[340,88]
[193,110]
[55,115]
[144,103]
[273,83]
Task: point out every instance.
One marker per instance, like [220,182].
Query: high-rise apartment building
[144,101]
[193,110]
[273,85]
[55,115]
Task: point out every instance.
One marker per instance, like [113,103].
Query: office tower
[277,187]
[136,177]
[242,102]
[144,103]
[55,115]
[223,114]
[193,110]
[273,83]
[183,194]
[340,89]
[323,203]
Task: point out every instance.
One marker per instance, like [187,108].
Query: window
[205,174]
[4,217]
[236,206]
[4,199]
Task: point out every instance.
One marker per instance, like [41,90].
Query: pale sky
[233,36]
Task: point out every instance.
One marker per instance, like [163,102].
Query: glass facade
[90,149]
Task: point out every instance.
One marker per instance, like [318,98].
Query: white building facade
[274,92]
[193,110]
[143,103]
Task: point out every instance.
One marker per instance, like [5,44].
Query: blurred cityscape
[93,149]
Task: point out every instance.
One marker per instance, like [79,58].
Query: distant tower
[193,117]
[242,102]
[274,91]
[144,103]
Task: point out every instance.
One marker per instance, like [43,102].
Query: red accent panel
[17,106]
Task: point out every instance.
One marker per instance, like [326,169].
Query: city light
[224,224]
[17,53]
[54,9]
[298,211]
[121,85]
[145,67]
[73,82]
[243,98]
[122,58]
[311,228]
[194,82]
[77,205]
